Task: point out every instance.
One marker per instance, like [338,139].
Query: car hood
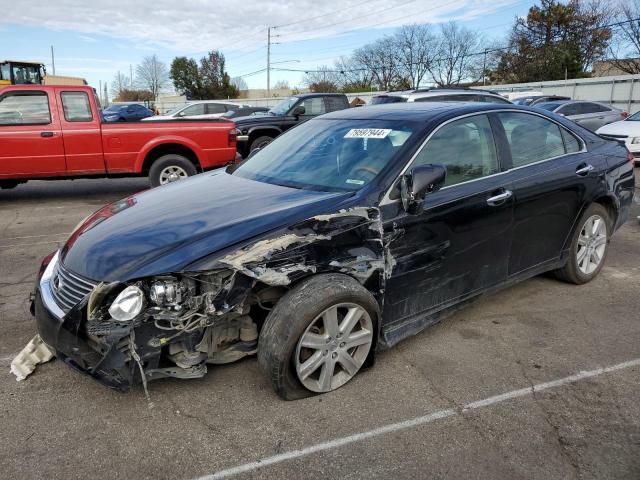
[165,229]
[257,120]
[629,128]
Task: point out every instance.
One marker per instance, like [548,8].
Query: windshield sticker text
[368,133]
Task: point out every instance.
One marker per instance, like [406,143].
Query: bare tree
[152,75]
[240,83]
[380,59]
[416,48]
[282,85]
[626,46]
[120,83]
[455,61]
[323,79]
[352,75]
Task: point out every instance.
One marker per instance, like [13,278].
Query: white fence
[621,91]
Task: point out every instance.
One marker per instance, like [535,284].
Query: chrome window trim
[386,200]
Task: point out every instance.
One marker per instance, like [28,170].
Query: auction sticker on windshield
[368,133]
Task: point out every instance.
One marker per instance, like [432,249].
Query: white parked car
[627,131]
[198,110]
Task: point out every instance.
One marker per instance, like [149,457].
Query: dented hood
[165,229]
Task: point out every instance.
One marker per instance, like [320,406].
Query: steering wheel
[367,170]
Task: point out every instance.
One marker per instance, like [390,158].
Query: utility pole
[268,63]
[269,43]
[53,61]
[484,68]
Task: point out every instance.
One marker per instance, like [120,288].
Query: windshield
[387,99]
[284,106]
[634,118]
[175,110]
[328,155]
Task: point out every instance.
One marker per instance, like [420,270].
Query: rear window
[24,108]
[379,100]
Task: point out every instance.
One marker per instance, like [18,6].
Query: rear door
[82,134]
[30,135]
[551,176]
[459,245]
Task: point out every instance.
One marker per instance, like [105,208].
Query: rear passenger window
[571,144]
[24,108]
[531,138]
[76,107]
[465,147]
[215,108]
[334,103]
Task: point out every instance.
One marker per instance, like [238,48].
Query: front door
[459,245]
[30,135]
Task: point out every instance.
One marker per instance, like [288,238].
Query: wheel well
[166,149]
[612,209]
[260,133]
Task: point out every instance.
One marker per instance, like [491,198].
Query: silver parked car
[440,95]
[590,115]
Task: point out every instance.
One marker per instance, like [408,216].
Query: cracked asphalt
[60,424]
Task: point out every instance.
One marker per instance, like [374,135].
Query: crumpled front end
[175,324]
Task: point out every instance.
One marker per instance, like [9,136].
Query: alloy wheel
[334,347]
[592,243]
[172,174]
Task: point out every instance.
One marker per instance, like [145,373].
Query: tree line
[555,40]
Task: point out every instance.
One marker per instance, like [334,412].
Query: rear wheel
[318,336]
[260,142]
[7,184]
[588,247]
[170,168]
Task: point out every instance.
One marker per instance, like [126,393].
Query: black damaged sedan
[345,235]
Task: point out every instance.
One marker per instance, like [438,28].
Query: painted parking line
[15,245]
[415,422]
[36,236]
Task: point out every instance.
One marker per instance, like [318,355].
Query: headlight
[127,305]
[635,140]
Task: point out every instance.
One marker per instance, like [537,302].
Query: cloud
[198,25]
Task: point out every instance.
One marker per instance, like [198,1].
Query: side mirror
[415,185]
[299,110]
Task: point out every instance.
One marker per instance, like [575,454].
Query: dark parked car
[342,237]
[245,112]
[257,131]
[126,113]
[536,99]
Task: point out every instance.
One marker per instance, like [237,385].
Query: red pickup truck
[52,132]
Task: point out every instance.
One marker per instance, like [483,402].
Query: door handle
[584,170]
[47,134]
[500,198]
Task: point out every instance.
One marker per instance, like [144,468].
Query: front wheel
[318,336]
[170,168]
[260,142]
[588,247]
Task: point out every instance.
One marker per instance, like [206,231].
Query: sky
[95,39]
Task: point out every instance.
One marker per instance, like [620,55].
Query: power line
[320,16]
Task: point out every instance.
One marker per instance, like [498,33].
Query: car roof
[305,95]
[416,111]
[439,91]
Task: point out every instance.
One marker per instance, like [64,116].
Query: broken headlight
[127,305]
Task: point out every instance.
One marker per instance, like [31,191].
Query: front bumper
[66,335]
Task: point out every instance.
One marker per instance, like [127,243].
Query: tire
[169,168]
[8,184]
[298,314]
[589,247]
[260,142]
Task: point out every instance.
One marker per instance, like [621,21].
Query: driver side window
[464,147]
[197,109]
[313,106]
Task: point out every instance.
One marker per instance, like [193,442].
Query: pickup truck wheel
[318,336]
[7,184]
[170,168]
[260,142]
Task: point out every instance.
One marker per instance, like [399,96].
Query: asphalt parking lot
[469,398]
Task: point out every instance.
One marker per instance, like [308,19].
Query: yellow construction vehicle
[16,72]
